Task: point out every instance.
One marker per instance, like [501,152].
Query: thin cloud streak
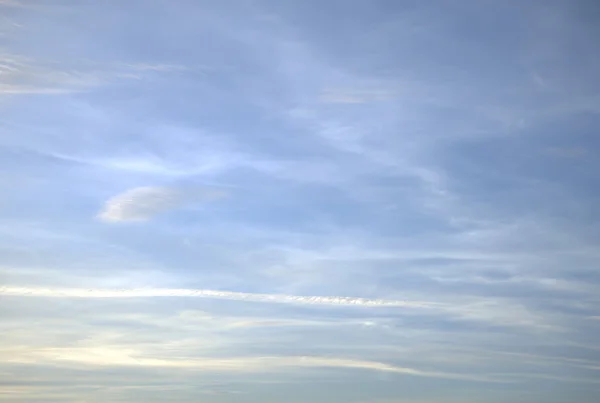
[11,3]
[25,75]
[116,356]
[200,293]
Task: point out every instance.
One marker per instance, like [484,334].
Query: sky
[357,201]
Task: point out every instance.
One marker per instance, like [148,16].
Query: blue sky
[335,201]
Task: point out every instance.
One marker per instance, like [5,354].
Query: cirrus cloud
[143,203]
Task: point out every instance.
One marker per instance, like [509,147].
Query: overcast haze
[357,201]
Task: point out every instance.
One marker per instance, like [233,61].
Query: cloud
[272,323]
[23,75]
[565,152]
[115,356]
[20,75]
[354,97]
[229,295]
[166,67]
[143,203]
[497,312]
[11,3]
[369,170]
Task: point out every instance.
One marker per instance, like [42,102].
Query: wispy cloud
[22,75]
[143,203]
[165,67]
[405,204]
[565,152]
[238,296]
[27,75]
[115,356]
[11,3]
[492,311]
[354,97]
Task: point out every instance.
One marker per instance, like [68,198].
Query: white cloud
[143,203]
[22,75]
[273,323]
[500,312]
[229,295]
[130,356]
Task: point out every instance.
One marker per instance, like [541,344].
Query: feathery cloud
[143,203]
[21,75]
[354,97]
[229,295]
[120,356]
[11,3]
[370,148]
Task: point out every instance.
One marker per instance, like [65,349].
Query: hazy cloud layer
[302,201]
